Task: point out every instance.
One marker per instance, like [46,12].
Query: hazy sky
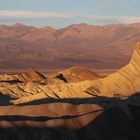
[60,13]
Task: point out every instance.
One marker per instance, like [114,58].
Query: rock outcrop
[32,85]
[77,74]
[22,93]
[124,82]
[28,76]
[72,74]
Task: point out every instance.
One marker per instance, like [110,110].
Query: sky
[61,13]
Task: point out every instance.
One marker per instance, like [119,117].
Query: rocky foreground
[72,104]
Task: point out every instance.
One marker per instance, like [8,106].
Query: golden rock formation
[30,75]
[124,82]
[77,74]
[54,86]
[33,91]
[72,74]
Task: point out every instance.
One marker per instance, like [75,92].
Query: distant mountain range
[98,47]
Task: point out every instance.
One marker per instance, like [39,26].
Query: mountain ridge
[100,47]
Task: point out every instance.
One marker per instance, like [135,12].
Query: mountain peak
[137,48]
[136,54]
[48,28]
[81,25]
[18,25]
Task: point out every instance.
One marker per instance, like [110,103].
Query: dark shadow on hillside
[11,81]
[112,124]
[37,133]
[61,77]
[119,121]
[134,99]
[102,101]
[4,100]
[41,75]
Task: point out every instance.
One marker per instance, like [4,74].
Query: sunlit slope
[123,82]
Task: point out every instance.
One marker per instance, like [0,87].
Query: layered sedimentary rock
[72,74]
[90,118]
[34,91]
[30,75]
[33,86]
[124,82]
[77,74]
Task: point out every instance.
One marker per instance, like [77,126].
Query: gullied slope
[30,75]
[34,86]
[72,74]
[34,91]
[77,74]
[122,83]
